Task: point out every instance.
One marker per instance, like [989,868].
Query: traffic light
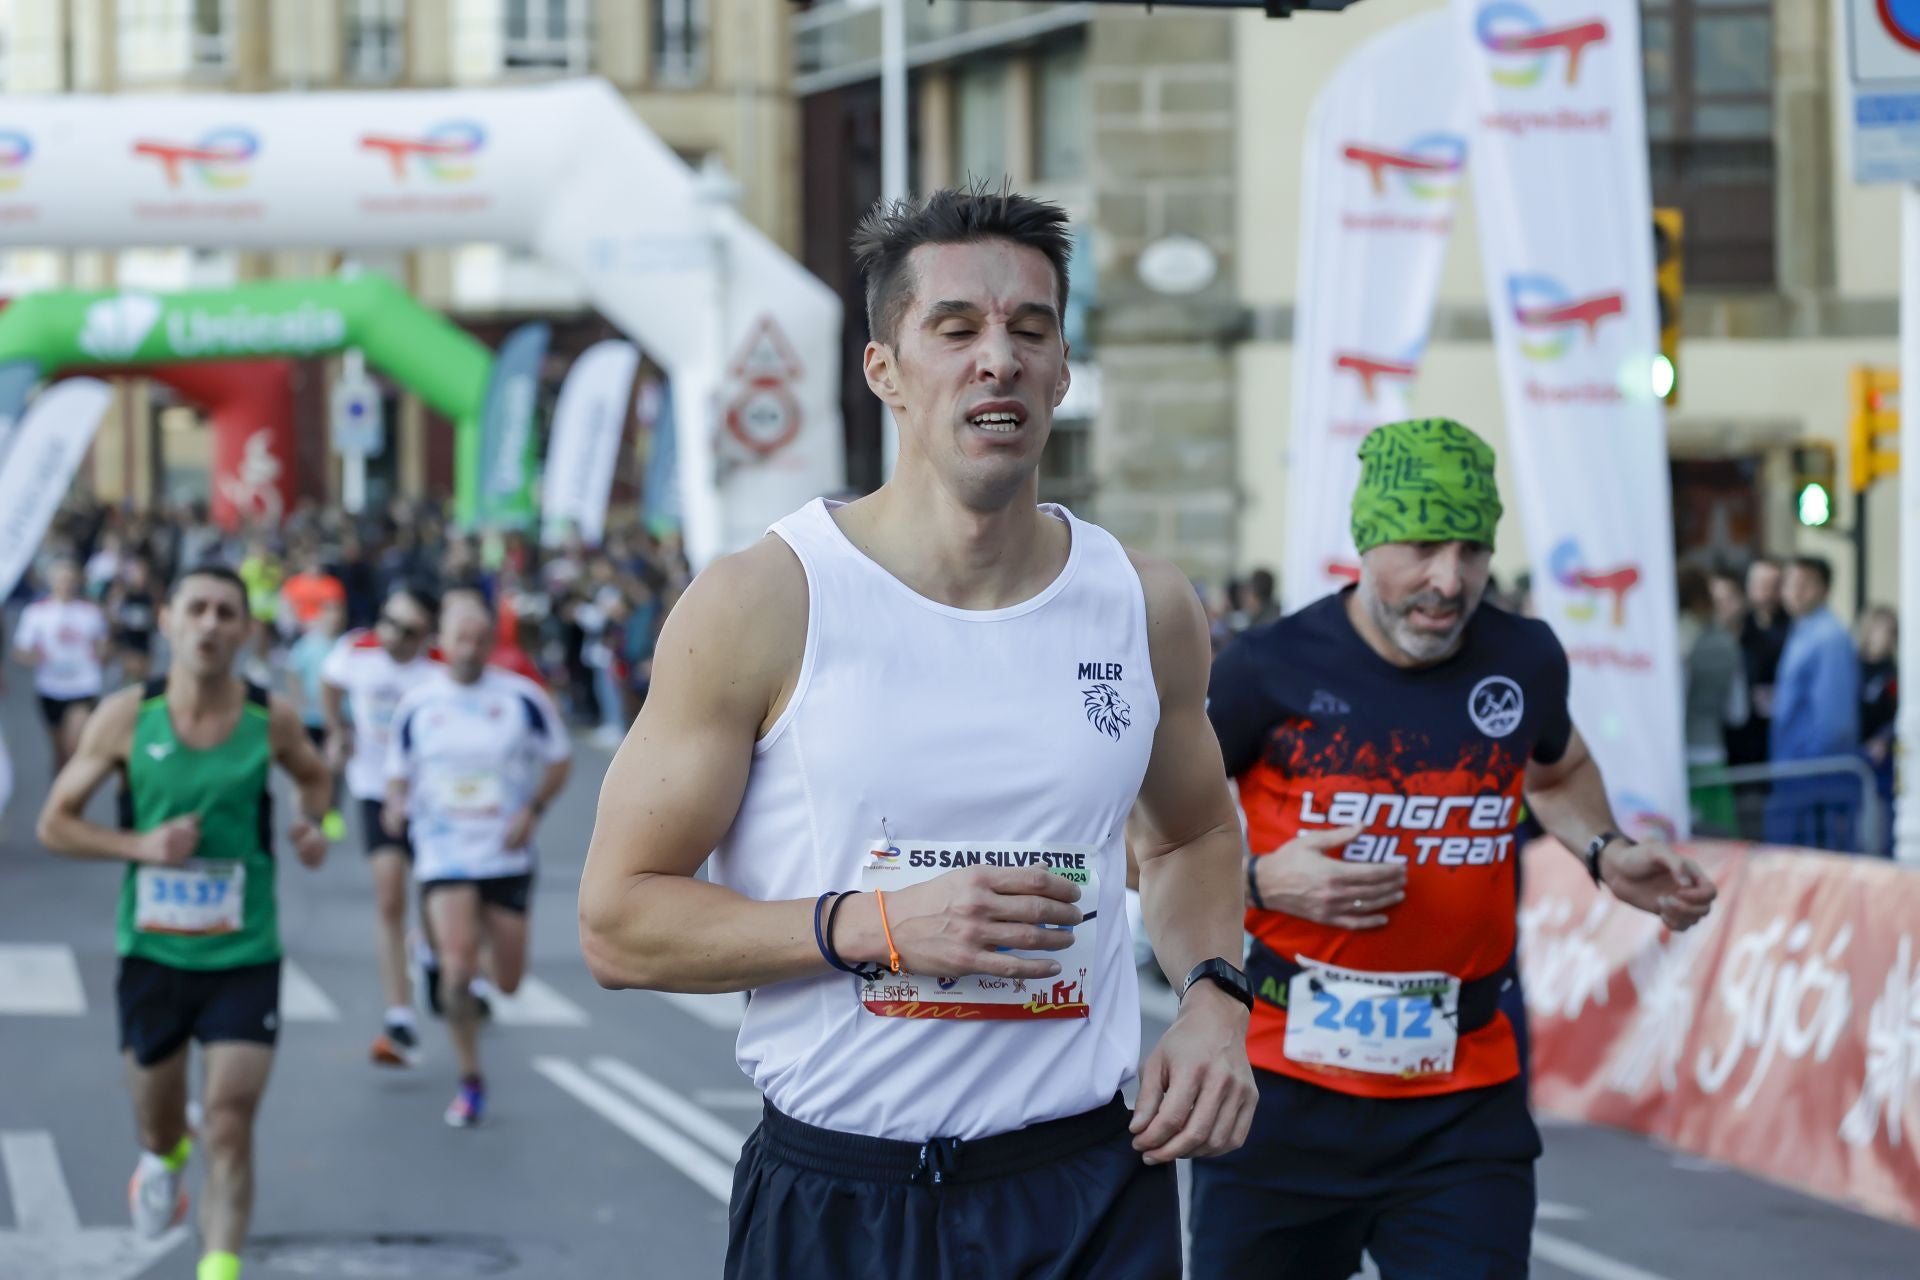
[1873,422]
[1668,224]
[1813,483]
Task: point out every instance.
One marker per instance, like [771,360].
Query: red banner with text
[1782,1036]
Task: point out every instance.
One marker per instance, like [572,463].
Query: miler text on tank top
[923,738]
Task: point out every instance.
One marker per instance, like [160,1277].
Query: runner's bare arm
[1184,834]
[293,751]
[104,744]
[1196,1090]
[1569,798]
[724,669]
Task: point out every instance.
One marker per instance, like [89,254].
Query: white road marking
[536,1004]
[50,1243]
[40,978]
[301,999]
[38,1185]
[1583,1261]
[722,1009]
[695,1121]
[728,1099]
[1550,1211]
[684,1154]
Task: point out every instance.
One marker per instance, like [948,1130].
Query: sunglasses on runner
[406,630]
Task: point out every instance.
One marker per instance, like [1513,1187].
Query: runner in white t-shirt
[477,755]
[363,681]
[64,638]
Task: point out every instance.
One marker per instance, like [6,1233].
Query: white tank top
[1029,725]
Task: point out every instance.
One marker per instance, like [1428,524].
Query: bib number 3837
[1396,1024]
[200,898]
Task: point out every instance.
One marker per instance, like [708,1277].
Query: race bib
[470,795]
[195,900]
[892,865]
[1390,1024]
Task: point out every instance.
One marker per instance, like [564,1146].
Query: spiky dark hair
[892,230]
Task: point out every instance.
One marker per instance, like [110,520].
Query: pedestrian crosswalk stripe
[641,1124]
[536,1004]
[48,1242]
[41,1203]
[301,999]
[683,1113]
[40,978]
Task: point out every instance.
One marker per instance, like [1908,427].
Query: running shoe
[157,1197]
[464,1111]
[482,990]
[396,1046]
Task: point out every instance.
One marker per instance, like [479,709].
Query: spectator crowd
[581,620]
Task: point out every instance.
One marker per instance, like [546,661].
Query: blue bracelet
[819,932]
[865,972]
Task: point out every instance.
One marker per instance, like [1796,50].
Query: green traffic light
[1815,505]
[1662,376]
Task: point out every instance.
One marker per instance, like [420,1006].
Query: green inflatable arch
[44,334]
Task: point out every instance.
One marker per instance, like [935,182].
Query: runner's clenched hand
[172,842]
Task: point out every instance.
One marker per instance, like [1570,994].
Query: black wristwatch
[1223,975]
[1598,845]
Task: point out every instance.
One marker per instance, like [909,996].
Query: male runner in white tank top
[910,730]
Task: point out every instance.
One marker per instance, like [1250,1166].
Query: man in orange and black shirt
[1385,739]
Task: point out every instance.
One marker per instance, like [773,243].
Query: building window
[546,35]
[376,34]
[172,37]
[980,121]
[1060,124]
[680,42]
[1709,81]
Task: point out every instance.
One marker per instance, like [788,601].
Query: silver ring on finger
[1359,904]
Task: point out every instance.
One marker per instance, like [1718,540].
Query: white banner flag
[47,446]
[1560,184]
[1386,147]
[585,444]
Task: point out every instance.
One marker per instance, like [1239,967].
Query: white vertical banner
[47,446]
[1561,189]
[584,445]
[1386,148]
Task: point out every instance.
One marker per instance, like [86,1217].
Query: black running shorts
[1066,1199]
[376,836]
[161,1007]
[55,709]
[509,893]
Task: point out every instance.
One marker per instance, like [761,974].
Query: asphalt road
[614,1117]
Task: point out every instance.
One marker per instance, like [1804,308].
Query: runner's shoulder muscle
[733,645]
[1176,628]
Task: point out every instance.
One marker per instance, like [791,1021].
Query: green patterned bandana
[1424,480]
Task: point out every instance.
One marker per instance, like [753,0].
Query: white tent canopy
[564,170]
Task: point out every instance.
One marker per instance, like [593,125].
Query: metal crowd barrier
[1831,803]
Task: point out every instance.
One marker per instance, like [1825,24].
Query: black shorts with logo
[509,893]
[55,709]
[376,836]
[1066,1199]
[161,1007]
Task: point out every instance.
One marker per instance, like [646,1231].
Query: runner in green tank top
[198,929]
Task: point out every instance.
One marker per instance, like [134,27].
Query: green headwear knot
[1424,480]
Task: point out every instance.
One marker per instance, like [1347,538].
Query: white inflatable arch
[750,339]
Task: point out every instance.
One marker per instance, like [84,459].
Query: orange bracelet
[893,954]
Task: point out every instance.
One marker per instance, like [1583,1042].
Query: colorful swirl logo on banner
[221,159]
[1525,48]
[1545,309]
[445,153]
